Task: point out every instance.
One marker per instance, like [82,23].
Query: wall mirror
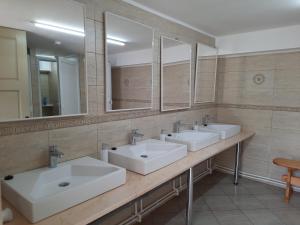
[129,59]
[42,70]
[175,74]
[206,71]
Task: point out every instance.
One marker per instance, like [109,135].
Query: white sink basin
[147,156]
[40,193]
[225,130]
[195,140]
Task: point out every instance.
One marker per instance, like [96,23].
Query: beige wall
[176,85]
[24,144]
[131,86]
[271,109]
[205,80]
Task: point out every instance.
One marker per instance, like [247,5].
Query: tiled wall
[206,78]
[176,76]
[131,86]
[271,109]
[24,145]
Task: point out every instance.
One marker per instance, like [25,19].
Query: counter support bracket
[237,162]
[189,207]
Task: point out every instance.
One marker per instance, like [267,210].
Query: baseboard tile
[265,180]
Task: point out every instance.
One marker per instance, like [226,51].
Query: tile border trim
[259,107]
[20,127]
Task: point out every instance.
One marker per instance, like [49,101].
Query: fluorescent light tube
[116,38]
[59,28]
[115,42]
[46,56]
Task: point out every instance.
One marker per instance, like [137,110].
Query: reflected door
[14,96]
[69,86]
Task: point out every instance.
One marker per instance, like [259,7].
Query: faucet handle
[52,148]
[134,131]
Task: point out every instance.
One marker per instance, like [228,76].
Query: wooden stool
[290,180]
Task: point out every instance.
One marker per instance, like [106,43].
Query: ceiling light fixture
[115,42]
[59,28]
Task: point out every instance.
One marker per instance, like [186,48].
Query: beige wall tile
[91,72]
[23,152]
[75,142]
[100,38]
[260,62]
[114,133]
[90,42]
[286,97]
[288,60]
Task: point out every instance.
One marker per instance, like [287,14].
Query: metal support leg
[189,208]
[237,163]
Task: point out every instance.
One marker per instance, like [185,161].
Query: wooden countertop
[136,186]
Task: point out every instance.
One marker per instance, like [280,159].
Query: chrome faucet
[205,120]
[134,135]
[54,155]
[178,124]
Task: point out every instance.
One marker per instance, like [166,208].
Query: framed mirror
[42,60]
[175,74]
[206,74]
[129,64]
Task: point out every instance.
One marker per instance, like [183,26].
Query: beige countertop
[136,186]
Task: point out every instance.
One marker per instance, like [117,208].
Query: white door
[69,86]
[14,93]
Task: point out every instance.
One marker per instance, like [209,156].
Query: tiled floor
[218,202]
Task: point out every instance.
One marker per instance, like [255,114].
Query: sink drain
[63,184]
[144,156]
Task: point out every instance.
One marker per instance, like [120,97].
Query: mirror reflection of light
[59,28]
[46,56]
[115,42]
[116,38]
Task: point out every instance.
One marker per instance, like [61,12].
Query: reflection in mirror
[175,74]
[206,70]
[41,59]
[129,58]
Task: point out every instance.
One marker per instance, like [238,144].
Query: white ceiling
[223,17]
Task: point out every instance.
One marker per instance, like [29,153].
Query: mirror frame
[106,62]
[196,73]
[162,75]
[84,9]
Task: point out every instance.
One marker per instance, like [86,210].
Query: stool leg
[289,188]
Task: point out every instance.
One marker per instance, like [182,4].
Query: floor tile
[230,189]
[168,219]
[235,217]
[216,203]
[295,200]
[256,188]
[272,201]
[288,216]
[247,202]
[204,218]
[208,190]
[262,217]
[172,206]
[200,205]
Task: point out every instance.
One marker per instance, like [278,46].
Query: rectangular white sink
[225,130]
[195,140]
[147,156]
[40,193]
